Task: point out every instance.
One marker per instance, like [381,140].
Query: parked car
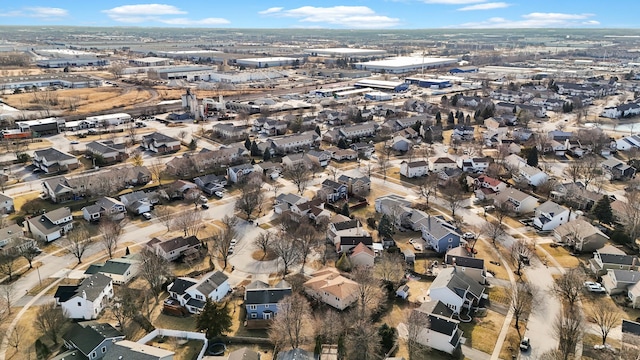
[525,344]
[219,194]
[203,199]
[205,206]
[489,208]
[594,287]
[233,242]
[146,215]
[469,236]
[230,251]
[416,244]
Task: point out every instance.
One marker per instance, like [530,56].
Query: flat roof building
[405,64]
[396,86]
[72,62]
[345,52]
[45,80]
[267,61]
[151,61]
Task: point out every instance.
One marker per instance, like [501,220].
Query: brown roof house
[173,248]
[333,289]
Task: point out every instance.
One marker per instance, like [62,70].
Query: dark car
[205,206]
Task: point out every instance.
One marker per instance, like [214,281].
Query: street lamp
[39,278]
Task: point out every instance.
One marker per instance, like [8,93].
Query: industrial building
[236,77]
[345,52]
[330,92]
[41,126]
[62,80]
[377,96]
[404,64]
[397,86]
[188,73]
[267,62]
[151,61]
[109,119]
[72,62]
[192,54]
[464,69]
[429,83]
[352,93]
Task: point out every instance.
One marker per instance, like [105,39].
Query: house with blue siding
[437,232]
[261,301]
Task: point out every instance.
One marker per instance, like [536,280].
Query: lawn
[482,332]
[562,256]
[488,253]
[511,344]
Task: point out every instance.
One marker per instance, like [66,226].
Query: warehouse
[332,91]
[404,64]
[72,62]
[351,93]
[41,126]
[396,86]
[429,83]
[464,69]
[345,52]
[109,119]
[377,96]
[235,77]
[43,81]
[151,61]
[268,62]
[189,73]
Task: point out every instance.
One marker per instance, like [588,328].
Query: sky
[327,14]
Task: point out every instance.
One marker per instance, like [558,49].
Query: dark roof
[244,354]
[344,225]
[265,296]
[296,354]
[442,326]
[212,282]
[196,303]
[179,242]
[355,240]
[65,292]
[180,285]
[87,336]
[93,286]
[630,327]
[464,261]
[617,259]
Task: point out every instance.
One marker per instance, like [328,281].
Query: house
[87,300]
[576,195]
[550,215]
[394,206]
[313,209]
[487,186]
[236,173]
[91,338]
[438,233]
[346,243]
[52,160]
[319,157]
[612,258]
[581,235]
[160,143]
[261,300]
[331,288]
[620,281]
[618,170]
[350,227]
[342,154]
[516,200]
[401,144]
[333,191]
[296,142]
[414,168]
[125,349]
[531,175]
[440,331]
[172,249]
[403,291]
[6,204]
[138,202]
[104,207]
[356,185]
[13,241]
[285,201]
[456,290]
[362,255]
[296,354]
[108,151]
[621,111]
[295,159]
[630,333]
[473,267]
[474,165]
[440,163]
[192,293]
[628,142]
[356,131]
[268,168]
[120,270]
[211,183]
[50,226]
[230,131]
[463,132]
[365,149]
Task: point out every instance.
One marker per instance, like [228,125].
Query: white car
[469,236]
[594,287]
[203,199]
[233,242]
[146,215]
[219,194]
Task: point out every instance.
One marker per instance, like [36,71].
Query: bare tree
[417,323]
[251,195]
[568,329]
[29,251]
[452,193]
[307,238]
[606,316]
[50,321]
[157,169]
[189,222]
[523,297]
[299,174]
[165,214]
[520,253]
[221,240]
[428,187]
[117,70]
[125,306]
[110,234]
[630,216]
[383,162]
[15,337]
[389,267]
[78,241]
[6,294]
[493,230]
[333,172]
[568,287]
[263,241]
[136,158]
[193,196]
[362,341]
[154,269]
[370,293]
[287,250]
[8,264]
[293,326]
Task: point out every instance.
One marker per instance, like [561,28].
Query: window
[450,240]
[254,315]
[93,355]
[253,307]
[266,306]
[104,349]
[80,304]
[199,297]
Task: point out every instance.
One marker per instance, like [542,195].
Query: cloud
[49,13]
[453,2]
[535,20]
[361,17]
[272,10]
[485,6]
[143,13]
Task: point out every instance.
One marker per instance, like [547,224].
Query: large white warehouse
[345,52]
[405,64]
[267,61]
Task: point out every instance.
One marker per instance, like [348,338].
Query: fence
[190,335]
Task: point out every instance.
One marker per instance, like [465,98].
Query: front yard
[481,333]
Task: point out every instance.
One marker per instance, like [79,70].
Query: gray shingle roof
[180,285]
[212,282]
[88,335]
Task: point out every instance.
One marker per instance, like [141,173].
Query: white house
[456,290]
[120,270]
[87,300]
[335,290]
[137,202]
[414,168]
[441,330]
[550,215]
[362,256]
[516,200]
[160,143]
[50,226]
[192,293]
[6,204]
[533,176]
[52,160]
[106,206]
[474,165]
[441,163]
[235,173]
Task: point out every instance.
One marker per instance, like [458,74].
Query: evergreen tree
[532,157]
[127,251]
[454,99]
[255,150]
[247,144]
[344,263]
[385,227]
[388,337]
[602,210]
[342,144]
[266,155]
[318,130]
[438,116]
[345,210]
[451,118]
[416,126]
[359,117]
[467,120]
[215,319]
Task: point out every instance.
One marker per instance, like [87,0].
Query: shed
[409,256]
[403,291]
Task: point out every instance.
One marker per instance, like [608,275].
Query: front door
[266,316]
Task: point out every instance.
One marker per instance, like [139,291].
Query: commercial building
[396,86]
[405,64]
[41,126]
[55,80]
[72,62]
[188,73]
[429,83]
[267,62]
[345,52]
[151,61]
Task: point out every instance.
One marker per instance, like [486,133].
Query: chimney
[84,294]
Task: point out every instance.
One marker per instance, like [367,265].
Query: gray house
[91,338]
[261,300]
